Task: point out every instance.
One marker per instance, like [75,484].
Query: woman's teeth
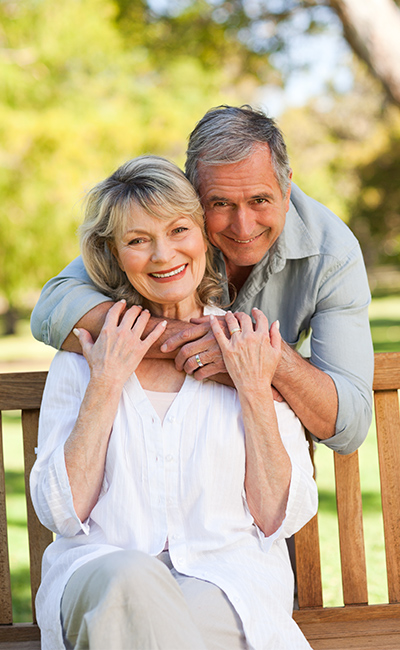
[170,273]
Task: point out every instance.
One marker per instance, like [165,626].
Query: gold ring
[236,329]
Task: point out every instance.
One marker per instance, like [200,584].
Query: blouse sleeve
[302,502]
[50,490]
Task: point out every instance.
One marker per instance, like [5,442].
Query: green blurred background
[87,84]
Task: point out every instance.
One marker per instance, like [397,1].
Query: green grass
[384,315]
[385,326]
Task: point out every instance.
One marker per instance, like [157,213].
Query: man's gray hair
[228,134]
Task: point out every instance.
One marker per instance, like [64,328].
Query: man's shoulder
[312,228]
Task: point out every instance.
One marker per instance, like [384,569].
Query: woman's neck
[184,310]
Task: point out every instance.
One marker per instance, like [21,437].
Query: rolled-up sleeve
[341,346]
[302,503]
[63,301]
[50,488]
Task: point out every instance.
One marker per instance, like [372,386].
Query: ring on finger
[198,361]
[235,329]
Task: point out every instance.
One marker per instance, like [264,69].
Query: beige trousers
[128,600]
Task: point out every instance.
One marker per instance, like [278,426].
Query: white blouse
[181,480]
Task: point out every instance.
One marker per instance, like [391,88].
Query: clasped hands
[228,344]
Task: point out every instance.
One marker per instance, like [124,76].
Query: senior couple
[172,460]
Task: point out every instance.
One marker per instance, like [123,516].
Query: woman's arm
[112,359]
[251,356]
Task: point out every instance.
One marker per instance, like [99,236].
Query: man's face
[245,211]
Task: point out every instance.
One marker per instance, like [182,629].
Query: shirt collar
[298,240]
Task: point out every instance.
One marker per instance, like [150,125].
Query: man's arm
[71,300]
[64,300]
[332,393]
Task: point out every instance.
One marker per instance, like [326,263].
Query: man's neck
[237,275]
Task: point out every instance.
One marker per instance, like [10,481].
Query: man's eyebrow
[215,197]
[258,195]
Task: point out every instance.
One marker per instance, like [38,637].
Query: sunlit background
[87,84]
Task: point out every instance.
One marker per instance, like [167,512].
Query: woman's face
[164,260]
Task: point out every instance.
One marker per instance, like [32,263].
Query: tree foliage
[87,84]
[79,96]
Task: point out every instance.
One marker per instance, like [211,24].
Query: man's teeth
[244,241]
[170,273]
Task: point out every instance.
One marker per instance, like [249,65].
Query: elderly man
[277,250]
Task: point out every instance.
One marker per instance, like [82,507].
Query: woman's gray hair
[163,191]
[228,134]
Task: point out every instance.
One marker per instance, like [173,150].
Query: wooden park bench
[357,625]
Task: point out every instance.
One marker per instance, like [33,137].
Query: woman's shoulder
[68,367]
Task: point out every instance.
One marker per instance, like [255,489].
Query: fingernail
[211,316]
[164,323]
[76,332]
[278,324]
[123,300]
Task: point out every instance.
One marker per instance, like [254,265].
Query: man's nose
[242,223]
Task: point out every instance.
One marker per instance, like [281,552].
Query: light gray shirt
[313,281]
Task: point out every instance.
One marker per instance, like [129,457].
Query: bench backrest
[349,507]
[23,391]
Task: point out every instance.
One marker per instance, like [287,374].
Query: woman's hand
[251,354]
[119,348]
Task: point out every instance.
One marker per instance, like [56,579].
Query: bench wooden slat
[308,565]
[5,582]
[20,390]
[39,536]
[387,371]
[19,634]
[388,434]
[351,532]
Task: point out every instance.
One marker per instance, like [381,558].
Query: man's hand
[199,352]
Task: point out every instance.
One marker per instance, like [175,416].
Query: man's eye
[220,204]
[260,201]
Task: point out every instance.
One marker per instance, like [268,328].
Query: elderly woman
[171,498]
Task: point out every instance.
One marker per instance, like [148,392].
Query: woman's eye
[138,240]
[177,231]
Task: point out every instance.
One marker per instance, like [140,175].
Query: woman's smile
[171,274]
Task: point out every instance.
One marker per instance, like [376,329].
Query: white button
[169,457]
[170,501]
[171,418]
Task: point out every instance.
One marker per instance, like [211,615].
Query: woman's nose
[161,252]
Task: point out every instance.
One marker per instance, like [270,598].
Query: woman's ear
[113,250]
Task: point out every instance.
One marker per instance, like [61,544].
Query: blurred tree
[216,29]
[345,152]
[77,98]
[372,29]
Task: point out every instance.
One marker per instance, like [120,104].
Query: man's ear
[289,188]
